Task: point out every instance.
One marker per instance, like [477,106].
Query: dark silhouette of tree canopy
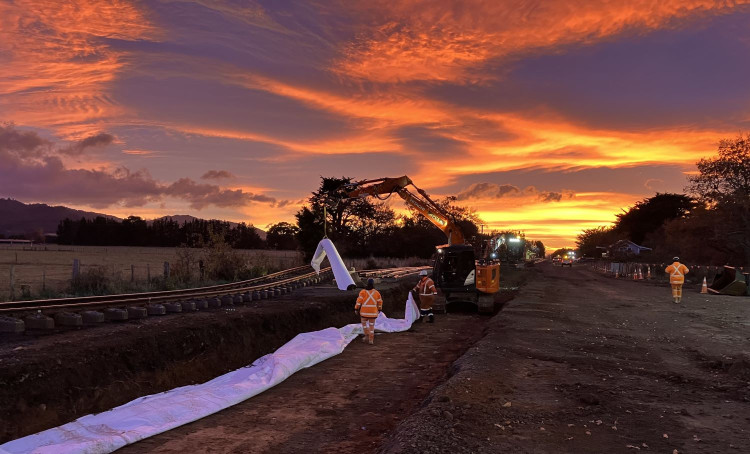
[726,177]
[723,184]
[134,231]
[282,235]
[363,227]
[649,214]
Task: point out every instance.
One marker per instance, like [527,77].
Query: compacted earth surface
[577,362]
[583,363]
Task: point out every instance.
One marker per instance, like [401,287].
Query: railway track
[17,316]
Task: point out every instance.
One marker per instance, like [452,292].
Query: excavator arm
[421,202]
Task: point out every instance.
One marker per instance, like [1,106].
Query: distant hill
[18,218]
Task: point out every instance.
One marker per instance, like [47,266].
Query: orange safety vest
[677,272]
[427,293]
[369,303]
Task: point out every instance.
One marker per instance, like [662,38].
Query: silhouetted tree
[282,235]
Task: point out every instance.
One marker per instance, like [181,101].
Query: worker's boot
[430,318]
[372,338]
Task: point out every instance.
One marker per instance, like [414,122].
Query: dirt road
[582,363]
[346,404]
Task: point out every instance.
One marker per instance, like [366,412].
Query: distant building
[14,241]
[625,248]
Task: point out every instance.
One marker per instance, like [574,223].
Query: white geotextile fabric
[157,413]
[343,278]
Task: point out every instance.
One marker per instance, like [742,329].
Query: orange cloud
[57,65]
[410,40]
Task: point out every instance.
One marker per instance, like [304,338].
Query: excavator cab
[460,278]
[454,269]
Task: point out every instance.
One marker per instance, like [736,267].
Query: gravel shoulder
[582,363]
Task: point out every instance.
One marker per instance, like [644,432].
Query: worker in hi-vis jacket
[676,272]
[427,292]
[369,304]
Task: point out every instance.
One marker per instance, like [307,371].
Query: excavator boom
[424,204]
[456,271]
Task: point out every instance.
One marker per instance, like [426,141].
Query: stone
[227,300]
[68,319]
[39,321]
[173,308]
[237,299]
[214,302]
[156,309]
[188,306]
[201,304]
[247,297]
[115,314]
[137,312]
[11,325]
[92,317]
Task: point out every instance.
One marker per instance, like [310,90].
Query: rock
[589,399]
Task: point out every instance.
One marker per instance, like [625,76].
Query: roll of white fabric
[151,415]
[326,248]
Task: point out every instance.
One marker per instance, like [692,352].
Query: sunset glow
[546,117]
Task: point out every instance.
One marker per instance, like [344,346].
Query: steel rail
[127,296]
[156,297]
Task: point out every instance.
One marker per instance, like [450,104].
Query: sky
[545,116]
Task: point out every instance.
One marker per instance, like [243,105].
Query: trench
[49,381]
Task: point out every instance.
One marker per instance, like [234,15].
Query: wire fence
[656,272]
[47,271]
[42,271]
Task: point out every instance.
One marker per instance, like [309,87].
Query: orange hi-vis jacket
[426,287]
[677,272]
[369,303]
[427,293]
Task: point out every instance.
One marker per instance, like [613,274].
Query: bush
[94,280]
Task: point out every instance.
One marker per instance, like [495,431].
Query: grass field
[46,270]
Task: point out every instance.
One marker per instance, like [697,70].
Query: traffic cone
[635,275]
[640,273]
[648,276]
[704,287]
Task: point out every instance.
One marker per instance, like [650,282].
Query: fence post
[166,270]
[12,282]
[76,268]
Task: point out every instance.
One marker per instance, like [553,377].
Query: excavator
[456,272]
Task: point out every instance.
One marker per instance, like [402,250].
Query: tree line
[134,231]
[709,223]
[358,227]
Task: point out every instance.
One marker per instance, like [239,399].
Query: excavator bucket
[729,281]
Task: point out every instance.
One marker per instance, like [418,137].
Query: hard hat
[370,282]
[423,273]
[676,259]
